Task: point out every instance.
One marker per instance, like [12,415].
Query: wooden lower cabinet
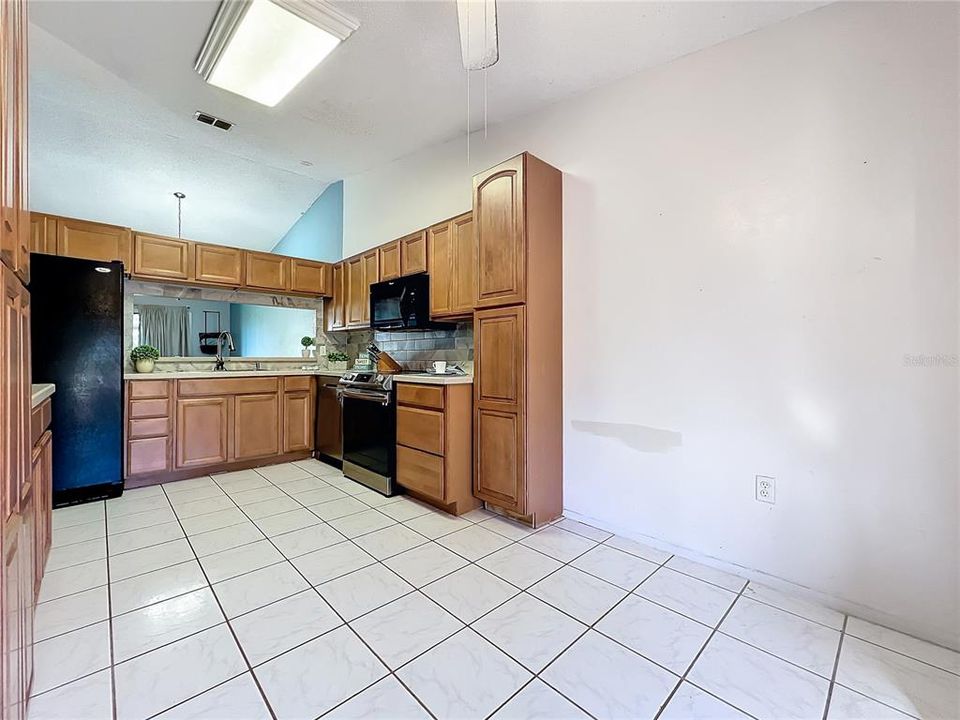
[298,414]
[256,426]
[177,427]
[500,446]
[434,444]
[201,436]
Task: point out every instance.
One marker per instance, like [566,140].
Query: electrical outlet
[321,350]
[766,489]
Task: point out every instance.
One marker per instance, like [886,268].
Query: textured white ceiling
[113,92]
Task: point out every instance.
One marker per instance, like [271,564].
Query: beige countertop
[433,379]
[195,374]
[40,392]
[200,374]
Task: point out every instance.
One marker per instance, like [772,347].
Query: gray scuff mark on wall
[636,437]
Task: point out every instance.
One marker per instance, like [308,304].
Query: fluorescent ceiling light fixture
[478,33]
[262,49]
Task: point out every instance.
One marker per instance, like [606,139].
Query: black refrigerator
[77,344]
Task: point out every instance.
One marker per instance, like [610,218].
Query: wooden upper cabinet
[413,253]
[43,233]
[256,426]
[218,264]
[360,272]
[309,277]
[267,272]
[94,241]
[440,246]
[498,215]
[451,252]
[336,308]
[161,257]
[201,437]
[371,274]
[389,260]
[353,282]
[463,290]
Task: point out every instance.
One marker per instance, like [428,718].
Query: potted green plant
[307,343]
[337,361]
[144,357]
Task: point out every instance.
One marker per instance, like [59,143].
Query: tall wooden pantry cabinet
[518,337]
[24,500]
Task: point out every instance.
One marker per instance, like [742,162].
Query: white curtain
[166,328]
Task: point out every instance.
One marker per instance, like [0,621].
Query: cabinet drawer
[148,456]
[39,421]
[149,389]
[149,408]
[293,383]
[430,396]
[149,427]
[227,386]
[420,472]
[420,429]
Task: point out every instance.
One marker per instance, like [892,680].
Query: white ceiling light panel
[262,49]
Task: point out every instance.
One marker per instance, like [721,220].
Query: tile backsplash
[413,350]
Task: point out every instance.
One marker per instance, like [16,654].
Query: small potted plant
[307,343]
[144,357]
[337,361]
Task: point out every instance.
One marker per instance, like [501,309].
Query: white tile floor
[291,592]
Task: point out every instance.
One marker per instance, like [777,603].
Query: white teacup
[440,366]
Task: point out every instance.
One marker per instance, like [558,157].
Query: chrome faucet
[220,338]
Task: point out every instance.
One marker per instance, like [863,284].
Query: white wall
[756,236]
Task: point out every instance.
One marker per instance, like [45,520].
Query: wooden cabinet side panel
[458,447]
[544,340]
[43,233]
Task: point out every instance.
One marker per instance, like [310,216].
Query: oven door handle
[368,395]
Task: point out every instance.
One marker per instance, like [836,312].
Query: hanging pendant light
[180,197]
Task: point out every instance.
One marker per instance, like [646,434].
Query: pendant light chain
[179,196]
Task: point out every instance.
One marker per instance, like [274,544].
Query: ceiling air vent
[208,119]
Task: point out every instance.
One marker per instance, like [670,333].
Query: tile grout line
[344,622]
[836,666]
[233,633]
[700,652]
[476,562]
[113,674]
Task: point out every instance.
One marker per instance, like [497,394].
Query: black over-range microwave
[402,304]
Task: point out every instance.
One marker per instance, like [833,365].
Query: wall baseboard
[945,637]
